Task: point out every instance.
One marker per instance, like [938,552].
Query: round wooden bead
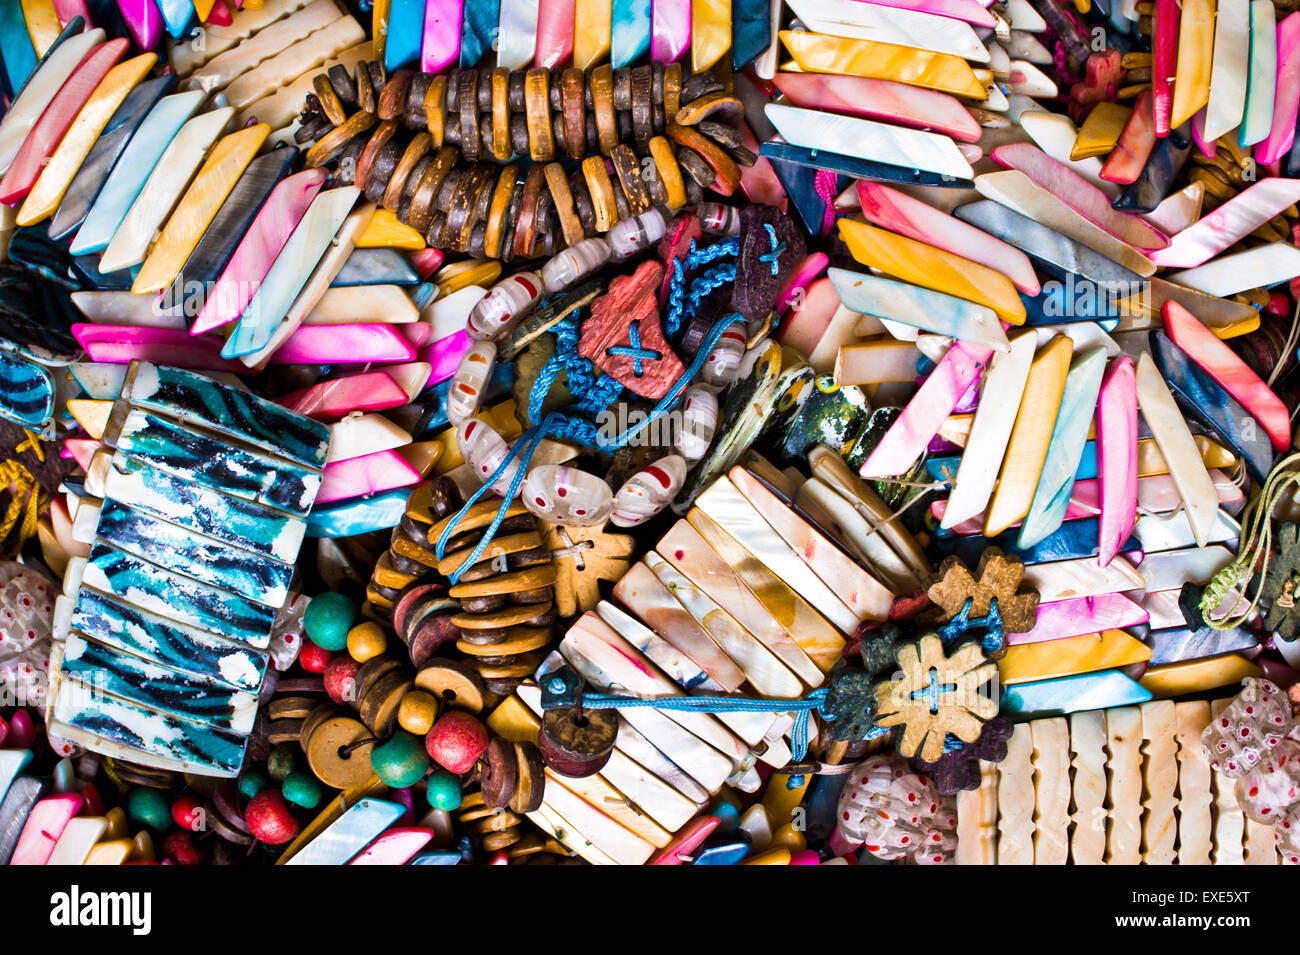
[366,641]
[269,818]
[332,756]
[314,658]
[456,741]
[302,789]
[577,742]
[417,712]
[187,812]
[148,807]
[400,761]
[327,620]
[443,791]
[453,683]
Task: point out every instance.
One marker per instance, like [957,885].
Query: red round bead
[268,816]
[179,847]
[188,812]
[340,678]
[456,741]
[314,659]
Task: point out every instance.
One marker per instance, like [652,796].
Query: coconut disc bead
[576,742]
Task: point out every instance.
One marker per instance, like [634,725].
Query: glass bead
[699,422]
[1270,789]
[649,491]
[717,219]
[723,363]
[897,813]
[471,378]
[505,302]
[565,495]
[630,236]
[577,261]
[1252,724]
[484,450]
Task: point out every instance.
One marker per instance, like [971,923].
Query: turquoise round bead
[443,790]
[252,781]
[327,620]
[302,789]
[149,808]
[401,761]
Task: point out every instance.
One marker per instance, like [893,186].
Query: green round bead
[302,789]
[252,781]
[149,808]
[327,620]
[443,790]
[400,761]
[280,763]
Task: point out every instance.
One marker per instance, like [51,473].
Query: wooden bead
[332,143]
[342,83]
[379,703]
[572,88]
[628,169]
[329,100]
[383,169]
[602,192]
[537,111]
[501,198]
[672,90]
[392,98]
[501,151]
[455,684]
[414,152]
[623,89]
[421,211]
[669,172]
[642,111]
[366,641]
[417,712]
[558,181]
[456,741]
[331,756]
[467,109]
[413,111]
[526,222]
[378,139]
[601,86]
[500,774]
[400,761]
[577,742]
[530,778]
[435,109]
[366,97]
[716,105]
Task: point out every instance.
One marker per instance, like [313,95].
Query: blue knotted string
[801,709]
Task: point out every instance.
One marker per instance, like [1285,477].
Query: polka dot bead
[896,813]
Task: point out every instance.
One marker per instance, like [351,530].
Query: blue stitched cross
[777,248]
[635,351]
[931,693]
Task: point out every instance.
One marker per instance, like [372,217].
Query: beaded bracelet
[430,148]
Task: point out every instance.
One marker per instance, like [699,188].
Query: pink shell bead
[896,813]
[577,261]
[1254,723]
[699,422]
[467,384]
[506,301]
[484,450]
[649,491]
[565,495]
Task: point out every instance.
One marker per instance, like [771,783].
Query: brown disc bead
[367,99]
[572,89]
[727,175]
[526,222]
[343,85]
[601,189]
[332,143]
[454,684]
[577,742]
[530,778]
[499,774]
[537,112]
[497,211]
[467,109]
[558,181]
[329,100]
[672,96]
[379,704]
[500,79]
[378,140]
[392,96]
[430,635]
[435,109]
[600,84]
[382,169]
[628,168]
[413,108]
[334,756]
[642,107]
